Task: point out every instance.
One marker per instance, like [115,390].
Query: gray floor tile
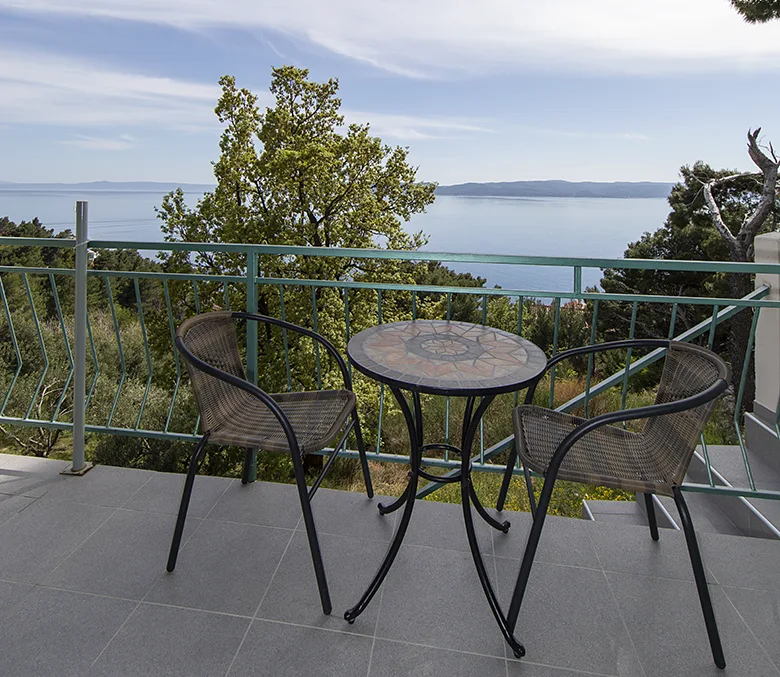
[391,659]
[12,504]
[434,597]
[162,493]
[630,550]
[564,540]
[570,620]
[103,485]
[440,525]
[224,567]
[665,621]
[525,669]
[347,513]
[29,476]
[58,633]
[266,503]
[41,536]
[280,650]
[123,558]
[350,564]
[742,562]
[165,641]
[760,609]
[11,595]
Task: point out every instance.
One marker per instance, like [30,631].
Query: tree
[758,11]
[716,215]
[295,175]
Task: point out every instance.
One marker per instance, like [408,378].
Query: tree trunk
[739,337]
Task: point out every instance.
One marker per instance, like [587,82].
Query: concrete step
[615,512]
[758,518]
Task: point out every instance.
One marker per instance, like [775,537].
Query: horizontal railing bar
[750,300]
[745,492]
[62,242]
[418,255]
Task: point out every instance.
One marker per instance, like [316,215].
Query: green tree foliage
[295,175]
[758,11]
[689,234]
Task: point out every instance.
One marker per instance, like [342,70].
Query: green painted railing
[82,354]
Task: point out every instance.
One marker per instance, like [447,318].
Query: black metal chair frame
[539,511]
[305,493]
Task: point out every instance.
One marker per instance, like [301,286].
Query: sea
[576,227]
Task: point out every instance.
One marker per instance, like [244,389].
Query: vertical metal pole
[80,339]
[251,338]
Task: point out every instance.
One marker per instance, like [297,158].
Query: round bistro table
[457,359]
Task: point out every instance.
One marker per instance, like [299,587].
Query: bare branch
[769,168]
[717,218]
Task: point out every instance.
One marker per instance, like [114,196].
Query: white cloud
[47,89]
[122,142]
[40,88]
[411,127]
[432,38]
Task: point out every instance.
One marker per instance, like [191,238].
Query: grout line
[750,630]
[130,498]
[617,606]
[113,637]
[262,599]
[82,543]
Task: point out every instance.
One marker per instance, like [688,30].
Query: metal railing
[176,422]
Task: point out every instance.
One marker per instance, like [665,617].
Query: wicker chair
[236,412]
[653,461]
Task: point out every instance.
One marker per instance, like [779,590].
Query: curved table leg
[492,521]
[397,503]
[467,493]
[414,424]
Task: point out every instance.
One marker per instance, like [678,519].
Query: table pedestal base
[468,498]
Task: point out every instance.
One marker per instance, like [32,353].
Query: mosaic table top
[448,358]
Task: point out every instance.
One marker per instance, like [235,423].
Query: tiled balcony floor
[83,589]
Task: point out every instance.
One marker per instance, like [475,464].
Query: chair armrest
[265,319]
[246,386]
[595,348]
[710,393]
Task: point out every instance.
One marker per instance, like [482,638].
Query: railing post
[78,466]
[761,426]
[251,337]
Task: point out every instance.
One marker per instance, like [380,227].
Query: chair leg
[185,501]
[249,459]
[530,553]
[650,508]
[510,467]
[311,533]
[362,451]
[701,580]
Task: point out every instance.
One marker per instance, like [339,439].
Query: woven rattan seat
[236,412]
[316,418]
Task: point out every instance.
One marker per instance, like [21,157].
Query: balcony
[83,587]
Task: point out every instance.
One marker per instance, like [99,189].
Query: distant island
[618,189]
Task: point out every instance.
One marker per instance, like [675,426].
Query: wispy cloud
[41,88]
[47,89]
[414,127]
[445,37]
[122,142]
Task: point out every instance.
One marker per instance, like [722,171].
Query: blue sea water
[580,227]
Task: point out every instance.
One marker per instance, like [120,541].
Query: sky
[488,90]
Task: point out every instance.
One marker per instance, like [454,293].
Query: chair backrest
[211,337]
[672,438]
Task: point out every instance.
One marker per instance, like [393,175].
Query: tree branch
[769,168]
[717,217]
